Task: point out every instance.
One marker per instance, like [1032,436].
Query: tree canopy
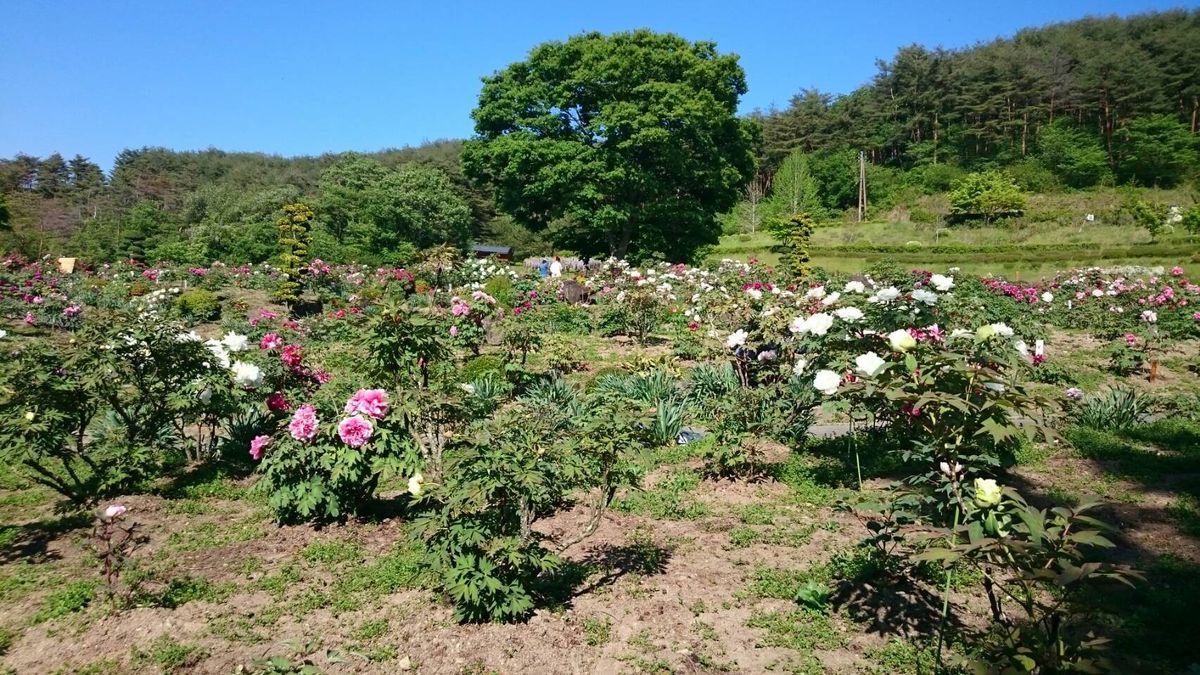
[624,144]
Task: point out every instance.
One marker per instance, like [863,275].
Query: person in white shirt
[556,267]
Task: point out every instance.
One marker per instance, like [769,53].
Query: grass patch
[212,535]
[669,499]
[597,630]
[899,656]
[332,552]
[399,570]
[182,590]
[169,654]
[72,598]
[371,629]
[802,630]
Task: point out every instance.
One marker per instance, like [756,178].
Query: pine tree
[797,236]
[294,240]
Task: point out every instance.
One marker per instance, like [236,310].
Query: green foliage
[797,237]
[482,366]
[1036,560]
[294,241]
[987,195]
[561,134]
[198,304]
[1146,215]
[1155,150]
[1115,409]
[97,416]
[794,189]
[1074,155]
[483,547]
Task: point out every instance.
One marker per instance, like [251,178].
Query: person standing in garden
[544,269]
[556,267]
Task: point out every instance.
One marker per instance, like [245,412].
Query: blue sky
[307,76]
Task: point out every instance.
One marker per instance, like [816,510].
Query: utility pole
[862,185]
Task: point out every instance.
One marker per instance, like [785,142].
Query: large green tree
[629,144]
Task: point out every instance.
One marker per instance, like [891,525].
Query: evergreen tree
[294,240]
[797,236]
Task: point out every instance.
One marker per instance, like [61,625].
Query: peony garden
[461,466]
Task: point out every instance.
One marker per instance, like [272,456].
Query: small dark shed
[492,251]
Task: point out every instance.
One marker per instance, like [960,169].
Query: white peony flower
[869,364]
[884,296]
[815,293]
[849,314]
[819,323]
[827,382]
[1002,329]
[246,374]
[1021,347]
[736,339]
[854,287]
[927,297]
[987,493]
[754,293]
[1150,316]
[830,299]
[218,350]
[415,483]
[235,343]
[942,282]
[901,340]
[801,364]
[1047,297]
[960,332]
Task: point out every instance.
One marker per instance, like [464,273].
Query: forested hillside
[1072,105]
[1099,101]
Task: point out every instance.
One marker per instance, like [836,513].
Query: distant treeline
[1095,101]
[1097,80]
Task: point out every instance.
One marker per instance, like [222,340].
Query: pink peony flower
[293,356]
[453,331]
[1176,270]
[29,318]
[355,431]
[460,308]
[270,341]
[115,511]
[267,314]
[370,402]
[257,445]
[322,377]
[304,423]
[1130,339]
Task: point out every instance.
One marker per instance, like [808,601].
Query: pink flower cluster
[459,308]
[370,402]
[303,426]
[270,341]
[1017,292]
